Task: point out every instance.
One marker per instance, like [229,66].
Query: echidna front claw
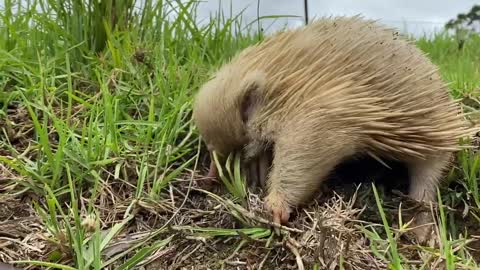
[278,209]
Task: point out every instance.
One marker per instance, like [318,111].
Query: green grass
[459,67]
[95,108]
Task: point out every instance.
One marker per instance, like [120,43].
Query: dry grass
[213,232]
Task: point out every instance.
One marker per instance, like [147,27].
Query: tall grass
[458,65]
[107,91]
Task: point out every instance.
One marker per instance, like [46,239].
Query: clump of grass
[393,255]
[459,67]
[235,181]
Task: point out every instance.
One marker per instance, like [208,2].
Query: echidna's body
[322,93]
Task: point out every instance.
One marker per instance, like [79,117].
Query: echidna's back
[356,71]
[345,46]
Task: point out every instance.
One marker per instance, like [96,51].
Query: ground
[101,166]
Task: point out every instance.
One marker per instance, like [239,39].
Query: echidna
[317,95]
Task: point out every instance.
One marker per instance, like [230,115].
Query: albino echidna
[317,95]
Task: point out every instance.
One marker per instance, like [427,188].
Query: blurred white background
[416,17]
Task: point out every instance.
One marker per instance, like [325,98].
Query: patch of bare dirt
[20,231]
[17,128]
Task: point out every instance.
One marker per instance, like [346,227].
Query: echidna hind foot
[425,176]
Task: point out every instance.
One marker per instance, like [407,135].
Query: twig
[260,266]
[229,204]
[21,243]
[252,216]
[295,252]
[235,263]
[160,253]
[172,197]
[185,257]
